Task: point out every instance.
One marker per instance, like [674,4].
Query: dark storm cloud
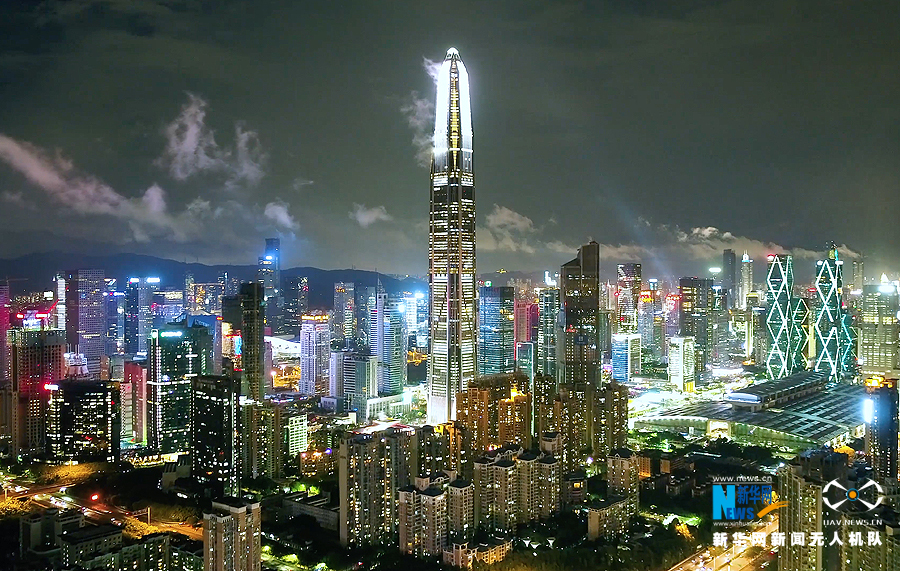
[666,131]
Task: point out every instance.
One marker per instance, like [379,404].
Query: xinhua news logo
[744,501]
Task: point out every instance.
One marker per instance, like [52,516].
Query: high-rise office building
[880,413]
[629,293]
[296,303]
[626,356]
[138,313]
[682,372]
[83,422]
[86,316]
[451,277]
[729,270]
[4,332]
[177,354]
[878,329]
[746,280]
[525,361]
[359,377]
[315,353]
[779,317]
[37,361]
[344,317]
[215,434]
[232,536]
[268,273]
[135,377]
[115,318]
[580,291]
[548,312]
[829,314]
[695,306]
[253,345]
[391,347]
[859,278]
[496,338]
[800,329]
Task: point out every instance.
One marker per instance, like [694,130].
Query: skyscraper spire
[451,276]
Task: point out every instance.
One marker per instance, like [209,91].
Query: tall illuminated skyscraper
[548,312]
[344,317]
[451,245]
[880,412]
[138,314]
[495,331]
[86,316]
[629,287]
[268,273]
[779,283]
[829,314]
[878,329]
[580,287]
[728,275]
[746,280]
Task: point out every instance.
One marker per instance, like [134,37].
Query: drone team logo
[834,490]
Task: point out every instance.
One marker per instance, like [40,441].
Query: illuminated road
[100,513]
[733,558]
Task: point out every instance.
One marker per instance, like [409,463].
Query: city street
[733,558]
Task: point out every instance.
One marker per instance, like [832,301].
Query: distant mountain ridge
[34,272]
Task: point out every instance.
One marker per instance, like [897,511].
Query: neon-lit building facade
[779,319]
[629,290]
[829,314]
[451,244]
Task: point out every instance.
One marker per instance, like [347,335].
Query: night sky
[664,130]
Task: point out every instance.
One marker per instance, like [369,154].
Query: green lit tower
[828,322]
[799,337]
[779,319]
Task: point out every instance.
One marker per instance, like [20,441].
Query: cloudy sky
[193,129]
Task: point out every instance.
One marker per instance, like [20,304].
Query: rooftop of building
[818,418]
[527,456]
[547,459]
[777,386]
[234,502]
[505,463]
[607,502]
[460,483]
[90,532]
[621,453]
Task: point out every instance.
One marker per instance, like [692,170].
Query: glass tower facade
[451,244]
[629,288]
[779,322]
[496,339]
[580,287]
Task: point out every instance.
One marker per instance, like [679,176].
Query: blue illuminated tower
[496,339]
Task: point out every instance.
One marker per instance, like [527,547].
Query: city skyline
[212,148]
